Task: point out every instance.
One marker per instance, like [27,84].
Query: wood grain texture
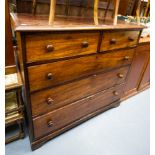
[64,45]
[117,40]
[29,23]
[138,66]
[66,115]
[145,81]
[71,92]
[9,53]
[72,69]
[65,84]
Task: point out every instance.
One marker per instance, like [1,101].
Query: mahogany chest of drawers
[71,73]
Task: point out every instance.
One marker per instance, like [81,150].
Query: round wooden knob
[131,39]
[126,58]
[115,93]
[50,48]
[50,101]
[113,41]
[50,123]
[49,76]
[120,75]
[85,44]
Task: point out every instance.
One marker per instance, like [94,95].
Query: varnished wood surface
[62,45]
[71,85]
[9,52]
[37,143]
[145,81]
[137,69]
[28,22]
[117,40]
[66,115]
[50,99]
[51,74]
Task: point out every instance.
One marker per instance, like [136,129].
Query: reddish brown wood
[60,45]
[145,81]
[137,69]
[64,90]
[74,111]
[116,40]
[9,54]
[76,68]
[28,22]
[51,99]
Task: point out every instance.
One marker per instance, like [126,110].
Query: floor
[120,131]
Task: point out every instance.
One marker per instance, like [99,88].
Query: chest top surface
[28,22]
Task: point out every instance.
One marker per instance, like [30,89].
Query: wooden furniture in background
[13,106]
[9,54]
[130,7]
[97,10]
[77,71]
[126,7]
[139,75]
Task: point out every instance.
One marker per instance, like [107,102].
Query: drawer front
[64,116]
[54,46]
[48,100]
[47,75]
[116,40]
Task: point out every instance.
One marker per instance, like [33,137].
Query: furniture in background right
[139,75]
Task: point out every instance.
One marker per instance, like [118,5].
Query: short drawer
[52,74]
[64,116]
[51,99]
[60,45]
[117,40]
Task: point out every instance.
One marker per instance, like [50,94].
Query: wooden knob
[131,39]
[85,44]
[50,123]
[50,101]
[115,93]
[49,76]
[126,58]
[120,75]
[113,41]
[50,48]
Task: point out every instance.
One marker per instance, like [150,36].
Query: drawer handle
[115,93]
[85,44]
[131,39]
[49,76]
[120,75]
[126,58]
[50,101]
[50,48]
[50,123]
[113,41]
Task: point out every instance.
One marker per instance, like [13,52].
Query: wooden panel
[66,115]
[45,101]
[137,68]
[146,78]
[9,54]
[116,40]
[41,46]
[46,75]
[126,7]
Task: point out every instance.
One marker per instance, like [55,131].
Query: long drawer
[51,74]
[117,40]
[41,46]
[50,99]
[64,116]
